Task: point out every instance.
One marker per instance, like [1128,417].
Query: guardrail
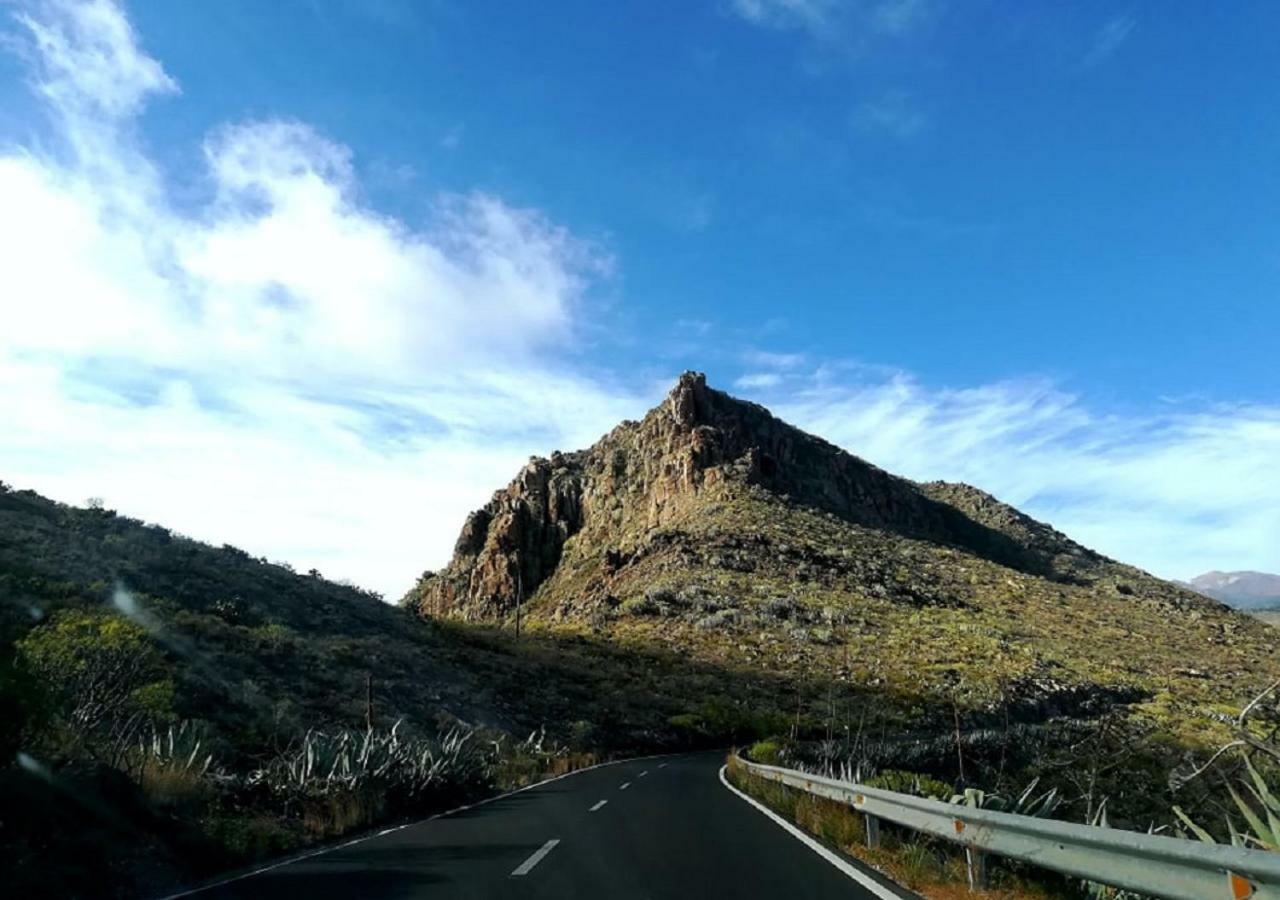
[1149,864]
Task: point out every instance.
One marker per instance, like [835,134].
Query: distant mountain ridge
[1243,590]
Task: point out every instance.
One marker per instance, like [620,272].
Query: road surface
[652,828]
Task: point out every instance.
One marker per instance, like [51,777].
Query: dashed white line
[662,765]
[527,866]
[625,785]
[644,773]
[290,860]
[598,805]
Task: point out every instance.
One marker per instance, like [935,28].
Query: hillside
[715,530]
[247,661]
[1243,590]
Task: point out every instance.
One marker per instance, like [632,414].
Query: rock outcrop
[702,444]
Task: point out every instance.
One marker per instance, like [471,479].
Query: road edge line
[302,857]
[850,870]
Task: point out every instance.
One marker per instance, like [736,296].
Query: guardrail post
[976,863]
[873,830]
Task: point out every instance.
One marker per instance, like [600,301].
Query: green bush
[101,669]
[911,783]
[768,752]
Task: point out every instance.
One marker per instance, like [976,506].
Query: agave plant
[1259,807]
[323,763]
[1026,803]
[178,748]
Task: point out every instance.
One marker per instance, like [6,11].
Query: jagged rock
[700,452]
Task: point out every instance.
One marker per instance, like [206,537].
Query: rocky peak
[699,446]
[688,399]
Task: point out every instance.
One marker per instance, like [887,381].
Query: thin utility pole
[368,701]
[519,594]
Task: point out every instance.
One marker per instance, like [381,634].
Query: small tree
[103,670]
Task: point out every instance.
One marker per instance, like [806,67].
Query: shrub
[768,752]
[911,783]
[102,668]
[639,606]
[782,608]
[725,618]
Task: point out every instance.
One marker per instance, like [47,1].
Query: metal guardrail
[1149,864]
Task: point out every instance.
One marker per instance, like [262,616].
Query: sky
[316,277]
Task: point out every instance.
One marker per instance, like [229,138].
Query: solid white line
[812,843]
[625,785]
[527,866]
[440,815]
[598,805]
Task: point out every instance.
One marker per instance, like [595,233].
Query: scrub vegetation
[933,868]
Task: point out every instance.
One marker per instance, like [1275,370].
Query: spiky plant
[1258,805]
[177,748]
[324,763]
[1027,803]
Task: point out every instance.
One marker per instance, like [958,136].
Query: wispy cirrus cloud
[756,380]
[1177,492]
[1108,38]
[838,19]
[895,113]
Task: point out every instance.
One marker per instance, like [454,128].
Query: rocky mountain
[713,528]
[1243,590]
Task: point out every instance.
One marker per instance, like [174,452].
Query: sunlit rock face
[701,447]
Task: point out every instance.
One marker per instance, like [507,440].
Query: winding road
[649,828]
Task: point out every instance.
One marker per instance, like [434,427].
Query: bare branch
[1244,713]
[1185,779]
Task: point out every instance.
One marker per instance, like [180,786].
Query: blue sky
[392,248]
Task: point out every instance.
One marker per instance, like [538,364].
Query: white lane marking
[809,841]
[527,866]
[301,857]
[644,773]
[662,765]
[625,785]
[598,805]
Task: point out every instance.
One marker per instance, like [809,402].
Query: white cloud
[894,112]
[899,17]
[838,19]
[811,15]
[88,61]
[768,359]
[1177,493]
[1109,37]
[283,368]
[755,380]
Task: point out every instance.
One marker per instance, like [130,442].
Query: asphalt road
[664,827]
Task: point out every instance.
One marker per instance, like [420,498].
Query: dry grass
[173,787]
[338,814]
[933,869]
